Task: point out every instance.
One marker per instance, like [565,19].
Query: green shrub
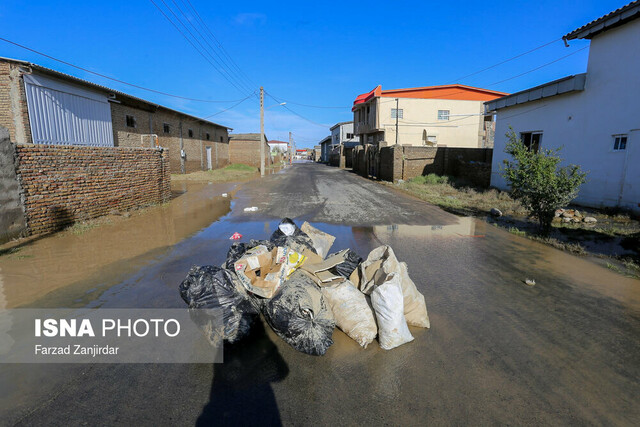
[537,180]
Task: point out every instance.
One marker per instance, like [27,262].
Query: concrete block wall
[12,218]
[63,184]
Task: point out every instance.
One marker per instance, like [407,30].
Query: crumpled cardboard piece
[262,272]
[321,272]
[322,241]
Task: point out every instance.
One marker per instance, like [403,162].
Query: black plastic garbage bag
[289,234]
[351,262]
[231,311]
[299,314]
[237,250]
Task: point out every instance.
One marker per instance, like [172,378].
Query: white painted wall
[583,123]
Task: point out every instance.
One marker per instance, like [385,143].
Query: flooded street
[563,351]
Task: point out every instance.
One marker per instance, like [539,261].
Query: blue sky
[321,54]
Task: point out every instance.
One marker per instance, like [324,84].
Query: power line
[211,51]
[297,114]
[216,41]
[505,61]
[110,78]
[191,43]
[233,106]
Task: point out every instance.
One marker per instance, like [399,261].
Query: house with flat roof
[594,117]
[245,148]
[433,116]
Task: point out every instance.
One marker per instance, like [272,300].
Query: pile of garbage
[304,292]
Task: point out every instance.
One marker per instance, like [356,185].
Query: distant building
[450,115]
[325,149]
[342,135]
[317,151]
[245,148]
[594,117]
[43,106]
[280,146]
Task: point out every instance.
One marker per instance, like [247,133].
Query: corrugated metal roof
[613,19]
[105,89]
[556,87]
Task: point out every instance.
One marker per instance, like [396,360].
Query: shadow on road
[241,390]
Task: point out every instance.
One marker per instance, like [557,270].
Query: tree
[537,180]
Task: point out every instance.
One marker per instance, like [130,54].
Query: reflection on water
[66,258]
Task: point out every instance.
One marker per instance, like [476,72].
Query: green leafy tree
[537,180]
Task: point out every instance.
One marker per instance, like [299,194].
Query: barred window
[131,121]
[443,114]
[397,113]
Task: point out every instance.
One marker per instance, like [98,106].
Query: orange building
[448,115]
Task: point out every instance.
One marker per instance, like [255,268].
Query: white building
[594,117]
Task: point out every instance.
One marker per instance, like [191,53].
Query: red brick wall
[247,152]
[63,184]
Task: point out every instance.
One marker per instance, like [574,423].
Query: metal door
[209,163]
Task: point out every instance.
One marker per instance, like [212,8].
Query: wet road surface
[564,351]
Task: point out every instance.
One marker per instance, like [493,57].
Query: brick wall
[14,114]
[247,152]
[147,122]
[63,184]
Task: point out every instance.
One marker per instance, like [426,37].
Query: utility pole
[261,131]
[397,114]
[182,154]
[290,149]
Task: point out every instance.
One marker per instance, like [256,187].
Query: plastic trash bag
[299,314]
[351,312]
[210,287]
[382,262]
[387,301]
[290,235]
[237,250]
[351,261]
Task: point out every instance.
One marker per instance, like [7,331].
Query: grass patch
[233,172]
[514,230]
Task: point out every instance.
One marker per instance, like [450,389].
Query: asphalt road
[565,351]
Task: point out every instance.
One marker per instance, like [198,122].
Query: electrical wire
[233,106]
[297,114]
[211,51]
[217,42]
[111,78]
[192,44]
[505,61]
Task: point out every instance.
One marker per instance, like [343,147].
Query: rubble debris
[300,315]
[530,282]
[302,295]
[387,303]
[213,288]
[351,312]
[590,219]
[377,268]
[496,212]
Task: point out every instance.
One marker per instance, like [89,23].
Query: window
[190,133]
[397,113]
[619,142]
[131,121]
[531,140]
[221,139]
[443,114]
[207,136]
[166,128]
[349,136]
